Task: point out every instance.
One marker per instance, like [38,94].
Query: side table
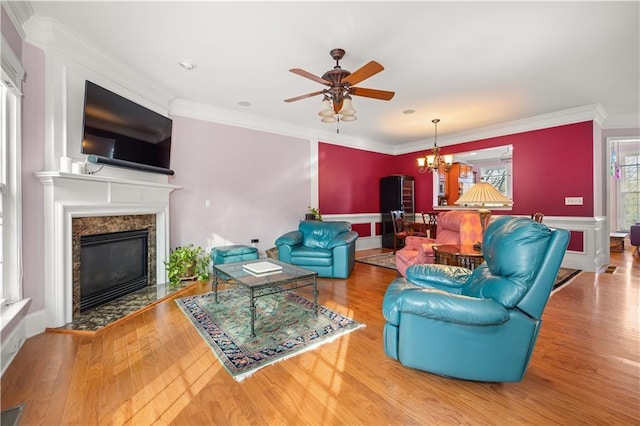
[456,255]
[616,241]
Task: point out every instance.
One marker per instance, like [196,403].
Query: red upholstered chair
[459,227]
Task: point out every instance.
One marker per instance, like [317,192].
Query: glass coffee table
[288,278]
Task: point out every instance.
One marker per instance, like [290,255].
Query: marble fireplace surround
[93,225]
[68,196]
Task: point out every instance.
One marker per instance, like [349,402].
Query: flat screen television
[122,133]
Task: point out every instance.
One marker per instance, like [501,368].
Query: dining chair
[430,220]
[399,231]
[537,216]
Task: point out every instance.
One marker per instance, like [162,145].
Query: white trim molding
[592,258]
[595,252]
[595,113]
[12,330]
[67,196]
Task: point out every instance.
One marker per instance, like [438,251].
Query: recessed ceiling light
[408,111]
[244,103]
[187,65]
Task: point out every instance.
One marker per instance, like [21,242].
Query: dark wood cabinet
[397,192]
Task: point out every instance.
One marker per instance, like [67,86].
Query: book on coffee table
[260,269]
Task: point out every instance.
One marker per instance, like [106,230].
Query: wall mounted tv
[122,133]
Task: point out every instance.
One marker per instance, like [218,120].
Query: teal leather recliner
[328,248]
[479,325]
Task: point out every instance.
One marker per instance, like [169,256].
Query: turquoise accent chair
[328,248]
[477,325]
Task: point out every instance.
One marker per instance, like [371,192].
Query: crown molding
[594,113]
[54,38]
[629,121]
[11,66]
[198,111]
[18,12]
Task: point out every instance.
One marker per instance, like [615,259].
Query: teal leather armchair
[328,248]
[479,325]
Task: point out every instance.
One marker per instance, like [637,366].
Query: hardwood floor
[156,369]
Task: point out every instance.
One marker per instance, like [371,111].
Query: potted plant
[314,214]
[187,263]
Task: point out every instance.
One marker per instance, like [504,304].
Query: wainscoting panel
[592,257]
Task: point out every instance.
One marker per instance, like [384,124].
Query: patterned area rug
[565,275]
[285,326]
[388,260]
[385,260]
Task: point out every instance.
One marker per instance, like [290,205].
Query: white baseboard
[367,243]
[35,323]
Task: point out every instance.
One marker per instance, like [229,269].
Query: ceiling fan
[341,86]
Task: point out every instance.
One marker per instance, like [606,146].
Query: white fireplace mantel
[68,195]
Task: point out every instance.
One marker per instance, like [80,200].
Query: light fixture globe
[329,119]
[327,110]
[347,107]
[348,118]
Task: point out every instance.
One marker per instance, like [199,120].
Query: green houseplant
[314,214]
[187,262]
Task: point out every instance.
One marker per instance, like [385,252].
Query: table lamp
[482,195]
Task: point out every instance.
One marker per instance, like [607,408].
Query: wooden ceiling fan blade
[310,76]
[362,73]
[372,93]
[308,95]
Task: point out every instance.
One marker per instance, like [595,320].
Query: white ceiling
[471,64]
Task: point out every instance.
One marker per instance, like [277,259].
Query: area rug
[565,275]
[384,260]
[285,326]
[388,260]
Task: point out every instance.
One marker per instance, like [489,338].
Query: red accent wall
[349,179]
[548,165]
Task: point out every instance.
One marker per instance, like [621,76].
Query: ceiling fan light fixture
[339,86]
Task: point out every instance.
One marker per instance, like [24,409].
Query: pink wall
[258,184]
[349,179]
[33,147]
[10,34]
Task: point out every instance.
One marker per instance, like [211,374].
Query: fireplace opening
[112,265]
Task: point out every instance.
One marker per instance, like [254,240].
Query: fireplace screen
[112,265]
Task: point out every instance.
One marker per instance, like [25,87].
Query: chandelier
[434,162]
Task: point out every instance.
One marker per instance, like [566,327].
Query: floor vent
[11,416]
[610,269]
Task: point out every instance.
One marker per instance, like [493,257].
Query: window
[10,176]
[496,176]
[10,216]
[629,190]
